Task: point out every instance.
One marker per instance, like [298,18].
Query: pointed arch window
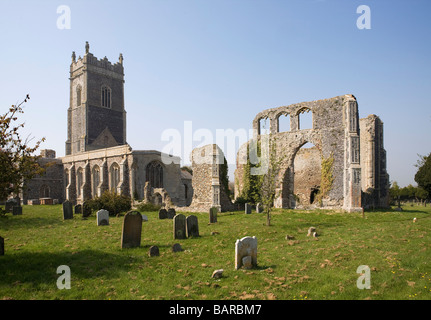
[106,97]
[154,174]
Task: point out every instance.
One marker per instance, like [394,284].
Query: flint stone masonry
[355,147]
[132,228]
[102,217]
[246,247]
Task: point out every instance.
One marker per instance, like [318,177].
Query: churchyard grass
[396,249]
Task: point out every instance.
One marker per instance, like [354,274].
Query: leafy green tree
[423,175]
[17,162]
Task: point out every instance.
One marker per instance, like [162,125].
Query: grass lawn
[396,250]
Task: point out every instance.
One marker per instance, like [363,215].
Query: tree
[17,162]
[423,175]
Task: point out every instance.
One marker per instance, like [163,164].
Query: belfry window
[106,97]
[154,174]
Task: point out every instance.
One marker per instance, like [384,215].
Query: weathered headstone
[132,228]
[17,210]
[247,208]
[10,203]
[171,213]
[1,246]
[177,247]
[67,210]
[86,210]
[259,208]
[213,215]
[102,217]
[154,251]
[78,209]
[217,274]
[163,214]
[179,226]
[144,218]
[244,247]
[310,231]
[192,226]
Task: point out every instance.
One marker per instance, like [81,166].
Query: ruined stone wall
[207,182]
[375,179]
[334,133]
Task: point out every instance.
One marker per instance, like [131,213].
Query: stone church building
[98,157]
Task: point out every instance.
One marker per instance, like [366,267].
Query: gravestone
[144,218]
[247,208]
[132,228]
[213,215]
[192,226]
[154,251]
[310,231]
[179,226]
[1,246]
[171,213]
[17,210]
[259,208]
[86,210]
[163,214]
[102,217]
[67,210]
[176,248]
[245,247]
[10,203]
[78,209]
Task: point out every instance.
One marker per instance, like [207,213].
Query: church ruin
[343,166]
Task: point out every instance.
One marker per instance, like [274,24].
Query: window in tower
[106,97]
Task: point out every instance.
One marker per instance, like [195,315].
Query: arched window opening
[114,176]
[154,174]
[186,191]
[80,180]
[106,97]
[283,122]
[264,126]
[305,119]
[44,191]
[95,180]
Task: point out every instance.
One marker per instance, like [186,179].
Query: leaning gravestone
[67,210]
[1,246]
[102,217]
[163,214]
[213,215]
[192,226]
[132,228]
[17,210]
[154,251]
[78,209]
[244,248]
[171,213]
[86,210]
[179,226]
[247,208]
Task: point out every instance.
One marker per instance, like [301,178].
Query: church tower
[96,117]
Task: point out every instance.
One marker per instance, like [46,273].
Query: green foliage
[327,178]
[147,207]
[224,178]
[407,193]
[111,201]
[423,175]
[17,162]
[251,191]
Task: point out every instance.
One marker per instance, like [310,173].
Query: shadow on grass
[41,267]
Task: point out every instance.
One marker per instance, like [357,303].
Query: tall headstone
[132,228]
[247,208]
[67,210]
[17,210]
[179,226]
[102,217]
[171,213]
[246,247]
[259,208]
[78,209]
[213,215]
[192,226]
[163,214]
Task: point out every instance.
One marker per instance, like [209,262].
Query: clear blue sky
[218,63]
